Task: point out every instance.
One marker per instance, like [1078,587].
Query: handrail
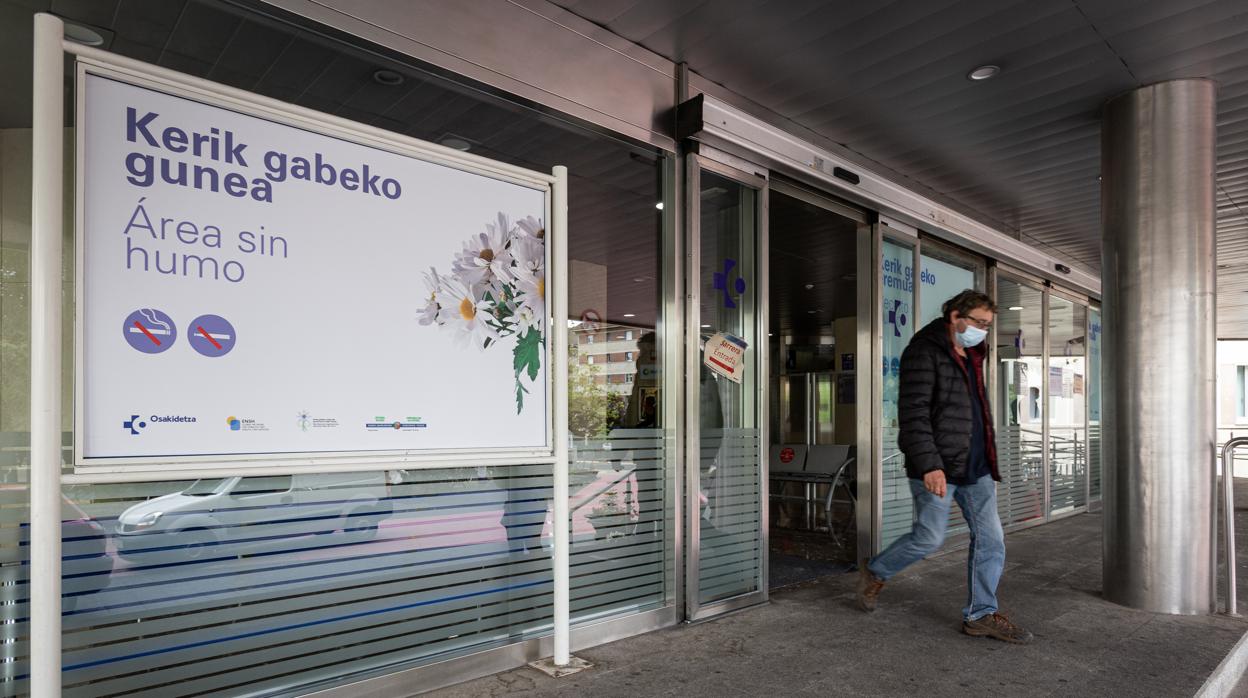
[1228,519]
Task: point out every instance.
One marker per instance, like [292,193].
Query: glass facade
[730,541]
[1019,403]
[1094,404]
[1067,412]
[1241,391]
[942,275]
[897,287]
[286,584]
[945,274]
[281,585]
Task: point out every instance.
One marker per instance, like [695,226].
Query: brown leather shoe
[869,587]
[998,627]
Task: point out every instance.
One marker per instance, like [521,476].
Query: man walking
[946,436]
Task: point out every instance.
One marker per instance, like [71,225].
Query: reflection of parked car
[85,563]
[239,515]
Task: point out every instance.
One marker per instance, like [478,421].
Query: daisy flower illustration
[485,258]
[496,289]
[432,311]
[470,315]
[530,227]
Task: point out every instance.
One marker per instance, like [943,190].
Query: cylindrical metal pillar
[1157,203]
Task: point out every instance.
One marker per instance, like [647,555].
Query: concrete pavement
[810,640]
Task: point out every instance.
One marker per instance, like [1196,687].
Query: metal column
[1157,196]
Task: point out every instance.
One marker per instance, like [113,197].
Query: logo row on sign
[152,331]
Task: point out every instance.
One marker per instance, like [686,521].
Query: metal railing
[1228,519]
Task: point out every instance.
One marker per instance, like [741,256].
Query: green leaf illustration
[526,360]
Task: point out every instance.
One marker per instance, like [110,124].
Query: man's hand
[934,481]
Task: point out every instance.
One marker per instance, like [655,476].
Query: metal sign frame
[47,246]
[93,62]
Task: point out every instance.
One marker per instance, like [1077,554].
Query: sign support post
[47,195]
[559,344]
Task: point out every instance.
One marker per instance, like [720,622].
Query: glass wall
[943,275]
[730,542]
[1094,404]
[286,584]
[1019,402]
[897,281]
[1067,412]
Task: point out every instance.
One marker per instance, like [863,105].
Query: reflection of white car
[239,515]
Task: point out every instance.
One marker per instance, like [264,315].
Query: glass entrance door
[726,558]
[1067,411]
[1019,403]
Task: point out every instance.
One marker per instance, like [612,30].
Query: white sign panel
[250,287]
[725,354]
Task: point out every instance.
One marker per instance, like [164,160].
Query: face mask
[971,336]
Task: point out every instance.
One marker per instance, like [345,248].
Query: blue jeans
[987,553]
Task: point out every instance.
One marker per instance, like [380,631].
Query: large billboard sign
[250,287]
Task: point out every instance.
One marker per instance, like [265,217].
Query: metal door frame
[756,178]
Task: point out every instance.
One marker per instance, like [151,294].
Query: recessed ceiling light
[984,72]
[706,325]
[83,35]
[630,315]
[389,78]
[809,287]
[1016,307]
[456,143]
[659,205]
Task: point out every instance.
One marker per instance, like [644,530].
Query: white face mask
[971,336]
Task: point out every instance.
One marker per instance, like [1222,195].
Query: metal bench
[831,465]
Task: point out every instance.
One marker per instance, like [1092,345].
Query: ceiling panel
[813,267]
[886,79]
[613,187]
[1021,151]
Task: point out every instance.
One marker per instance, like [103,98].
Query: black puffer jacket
[934,405]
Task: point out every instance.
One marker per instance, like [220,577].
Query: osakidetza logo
[137,424]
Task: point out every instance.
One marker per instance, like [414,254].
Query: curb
[1224,679]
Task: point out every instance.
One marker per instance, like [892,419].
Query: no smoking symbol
[211,335]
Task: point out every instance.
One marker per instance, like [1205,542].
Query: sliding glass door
[727,541]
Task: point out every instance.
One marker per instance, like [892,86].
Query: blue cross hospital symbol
[720,282]
[897,317]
